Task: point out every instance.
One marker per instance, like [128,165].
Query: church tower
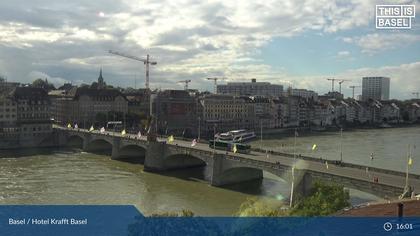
[101,83]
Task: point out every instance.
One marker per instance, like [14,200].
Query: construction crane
[340,82]
[332,84]
[146,62]
[353,87]
[417,94]
[215,83]
[186,83]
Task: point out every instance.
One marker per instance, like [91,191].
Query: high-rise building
[376,88]
[250,88]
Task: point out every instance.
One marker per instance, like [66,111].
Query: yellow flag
[314,147]
[326,164]
[123,132]
[234,149]
[69,125]
[170,139]
[91,128]
[410,161]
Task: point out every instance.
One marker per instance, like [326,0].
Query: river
[64,176]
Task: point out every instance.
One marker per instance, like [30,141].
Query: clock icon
[387,226]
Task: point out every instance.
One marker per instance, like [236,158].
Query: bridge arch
[75,141]
[183,160]
[240,174]
[132,153]
[99,145]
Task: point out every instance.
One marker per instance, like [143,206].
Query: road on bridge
[363,174]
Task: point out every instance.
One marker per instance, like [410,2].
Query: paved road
[312,165]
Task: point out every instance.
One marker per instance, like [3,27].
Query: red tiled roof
[411,208]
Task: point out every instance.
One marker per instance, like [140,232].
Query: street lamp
[341,145]
[214,139]
[407,163]
[199,128]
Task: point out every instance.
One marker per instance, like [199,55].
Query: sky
[298,43]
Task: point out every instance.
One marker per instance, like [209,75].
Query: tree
[94,85]
[323,200]
[259,207]
[40,83]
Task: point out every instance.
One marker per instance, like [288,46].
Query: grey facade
[176,113]
[25,118]
[376,88]
[84,105]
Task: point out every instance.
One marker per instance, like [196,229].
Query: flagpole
[293,171]
[292,187]
[294,146]
[261,134]
[406,173]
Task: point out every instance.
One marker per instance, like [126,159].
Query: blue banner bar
[127,220]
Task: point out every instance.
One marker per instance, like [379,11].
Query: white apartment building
[304,93]
[252,88]
[376,88]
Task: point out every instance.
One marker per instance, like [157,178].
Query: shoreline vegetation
[324,199]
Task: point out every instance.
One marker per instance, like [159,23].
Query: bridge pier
[85,144]
[304,183]
[60,138]
[154,159]
[216,170]
[115,154]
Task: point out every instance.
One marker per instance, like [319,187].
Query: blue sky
[315,54]
[279,41]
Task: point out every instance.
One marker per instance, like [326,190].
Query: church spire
[101,83]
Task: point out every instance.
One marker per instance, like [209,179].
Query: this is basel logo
[394,16]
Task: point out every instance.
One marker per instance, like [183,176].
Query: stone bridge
[224,168]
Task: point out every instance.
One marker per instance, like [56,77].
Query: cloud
[374,43]
[343,55]
[404,79]
[190,39]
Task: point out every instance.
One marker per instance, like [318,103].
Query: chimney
[400,209]
[253,80]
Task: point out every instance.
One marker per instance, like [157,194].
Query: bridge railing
[299,156]
[337,162]
[253,161]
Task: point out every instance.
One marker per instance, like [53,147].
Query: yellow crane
[215,79]
[186,83]
[340,82]
[147,62]
[352,88]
